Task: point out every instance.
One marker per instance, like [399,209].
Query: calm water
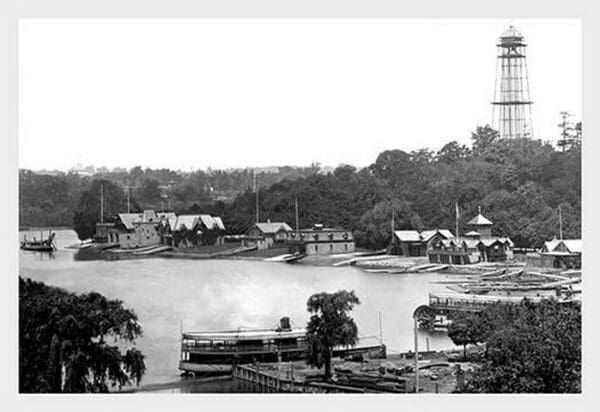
[168,294]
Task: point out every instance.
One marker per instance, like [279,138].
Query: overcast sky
[234,93]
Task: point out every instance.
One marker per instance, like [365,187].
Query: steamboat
[219,352]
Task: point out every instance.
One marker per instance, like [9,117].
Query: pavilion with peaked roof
[481,225]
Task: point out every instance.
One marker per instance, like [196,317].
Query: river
[204,295]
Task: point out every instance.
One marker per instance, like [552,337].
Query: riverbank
[439,372]
[366,260]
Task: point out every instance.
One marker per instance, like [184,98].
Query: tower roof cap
[511,32]
[479,220]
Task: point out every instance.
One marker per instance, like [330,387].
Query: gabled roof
[573,245]
[220,224]
[550,245]
[408,235]
[507,241]
[208,221]
[473,233]
[446,233]
[424,236]
[273,227]
[480,220]
[187,222]
[489,241]
[149,216]
[471,243]
[166,215]
[129,218]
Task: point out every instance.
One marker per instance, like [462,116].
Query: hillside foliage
[520,185]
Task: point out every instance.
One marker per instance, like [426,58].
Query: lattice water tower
[512,104]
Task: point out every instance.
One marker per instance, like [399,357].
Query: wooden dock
[273,383]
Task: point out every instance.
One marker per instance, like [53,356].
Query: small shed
[272,232]
[414,243]
[562,253]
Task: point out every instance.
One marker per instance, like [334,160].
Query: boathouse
[319,240]
[477,245]
[455,251]
[269,233]
[194,230]
[414,243]
[562,253]
[133,230]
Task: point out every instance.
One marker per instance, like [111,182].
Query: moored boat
[42,245]
[219,352]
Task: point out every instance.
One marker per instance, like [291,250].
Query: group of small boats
[503,281]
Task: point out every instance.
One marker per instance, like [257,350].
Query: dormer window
[316,236]
[345,236]
[330,236]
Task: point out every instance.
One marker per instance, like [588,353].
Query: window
[316,248]
[346,246]
[331,248]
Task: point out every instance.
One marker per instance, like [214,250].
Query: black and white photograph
[300,206]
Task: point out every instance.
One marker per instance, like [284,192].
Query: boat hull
[209,362]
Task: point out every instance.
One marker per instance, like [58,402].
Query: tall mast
[101,202]
[256,193]
[296,204]
[456,222]
[560,231]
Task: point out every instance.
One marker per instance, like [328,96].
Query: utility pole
[380,329]
[416,354]
[128,207]
[566,131]
[101,202]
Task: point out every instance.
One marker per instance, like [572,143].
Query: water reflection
[227,294]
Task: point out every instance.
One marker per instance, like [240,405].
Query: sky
[226,93]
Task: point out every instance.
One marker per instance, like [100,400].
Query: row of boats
[475,292]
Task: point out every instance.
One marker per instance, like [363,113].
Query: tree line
[521,184]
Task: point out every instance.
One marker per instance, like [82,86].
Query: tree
[73,343]
[483,138]
[374,227]
[532,347]
[329,326]
[149,191]
[464,330]
[87,211]
[453,152]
